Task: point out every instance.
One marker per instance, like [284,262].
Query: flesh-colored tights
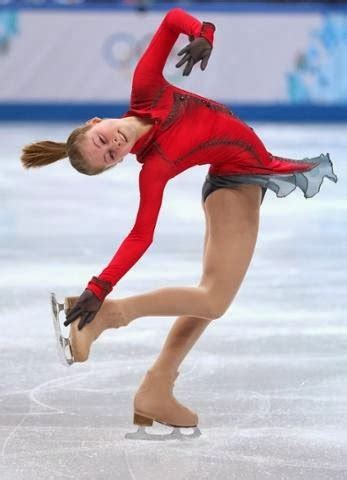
[232,220]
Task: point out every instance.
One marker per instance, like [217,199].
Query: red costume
[189,130]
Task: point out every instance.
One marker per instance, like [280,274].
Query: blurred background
[65,59]
[268,379]
[150,3]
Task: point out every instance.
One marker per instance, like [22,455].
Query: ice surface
[268,379]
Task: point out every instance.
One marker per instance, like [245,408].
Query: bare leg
[183,335]
[233,217]
[167,301]
[154,397]
[187,329]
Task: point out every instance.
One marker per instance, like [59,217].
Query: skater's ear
[93,121]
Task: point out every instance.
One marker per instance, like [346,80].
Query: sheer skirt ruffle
[309,182]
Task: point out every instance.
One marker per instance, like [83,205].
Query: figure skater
[170,130]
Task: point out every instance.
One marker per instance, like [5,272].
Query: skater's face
[107,142]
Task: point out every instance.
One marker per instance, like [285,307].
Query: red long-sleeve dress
[190,130]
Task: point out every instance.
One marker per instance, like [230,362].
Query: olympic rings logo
[122,51]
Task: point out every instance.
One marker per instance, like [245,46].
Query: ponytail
[43,153]
[46,152]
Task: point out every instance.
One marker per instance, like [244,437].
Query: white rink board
[89,56]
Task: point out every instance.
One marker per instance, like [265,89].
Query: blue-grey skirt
[213,182]
[282,184]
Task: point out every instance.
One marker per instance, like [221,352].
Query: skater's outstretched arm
[156,171]
[153,178]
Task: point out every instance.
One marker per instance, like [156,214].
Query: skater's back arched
[170,129]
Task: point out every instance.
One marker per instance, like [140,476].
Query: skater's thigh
[207,234]
[232,216]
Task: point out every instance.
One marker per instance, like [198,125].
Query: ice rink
[268,379]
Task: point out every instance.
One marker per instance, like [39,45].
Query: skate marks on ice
[39,409]
[32,394]
[241,428]
[243,431]
[79,441]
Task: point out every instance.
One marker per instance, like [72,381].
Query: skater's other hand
[198,49]
[86,307]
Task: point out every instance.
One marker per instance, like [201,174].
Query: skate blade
[62,343]
[175,434]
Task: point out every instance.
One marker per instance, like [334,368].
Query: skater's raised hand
[198,49]
[86,307]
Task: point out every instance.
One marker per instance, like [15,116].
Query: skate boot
[81,340]
[154,401]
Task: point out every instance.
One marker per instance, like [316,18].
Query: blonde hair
[46,152]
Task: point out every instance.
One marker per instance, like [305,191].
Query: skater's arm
[153,178]
[149,69]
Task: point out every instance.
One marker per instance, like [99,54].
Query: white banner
[89,56]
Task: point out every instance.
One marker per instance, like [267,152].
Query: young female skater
[170,130]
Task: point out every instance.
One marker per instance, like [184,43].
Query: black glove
[86,307]
[198,49]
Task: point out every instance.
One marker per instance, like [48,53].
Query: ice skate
[63,344]
[110,315]
[154,401]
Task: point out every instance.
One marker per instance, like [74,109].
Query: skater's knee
[216,312]
[214,308]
